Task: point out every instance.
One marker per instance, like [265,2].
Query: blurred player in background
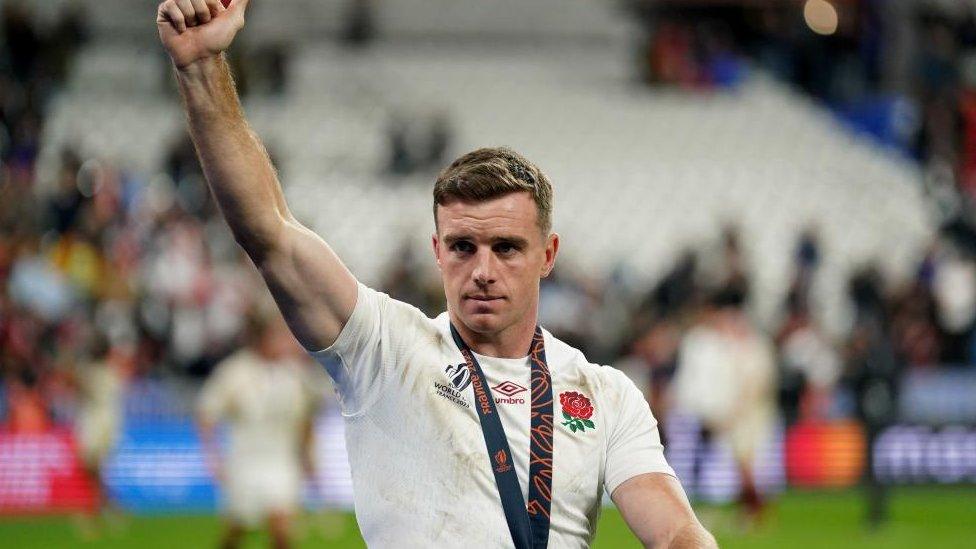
[727,378]
[269,397]
[100,383]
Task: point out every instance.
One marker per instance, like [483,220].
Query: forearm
[235,163]
[657,510]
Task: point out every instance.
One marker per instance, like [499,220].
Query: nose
[484,269]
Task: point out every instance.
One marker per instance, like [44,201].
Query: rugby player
[269,398]
[477,427]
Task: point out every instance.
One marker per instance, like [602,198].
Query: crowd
[99,256]
[927,322]
[148,266]
[900,71]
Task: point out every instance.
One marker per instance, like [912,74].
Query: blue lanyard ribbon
[528,524]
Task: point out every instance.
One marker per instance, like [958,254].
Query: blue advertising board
[159,466]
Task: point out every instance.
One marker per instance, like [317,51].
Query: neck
[512,342]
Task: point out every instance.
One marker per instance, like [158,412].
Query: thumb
[236,4]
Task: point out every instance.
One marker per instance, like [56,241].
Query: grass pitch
[943,517]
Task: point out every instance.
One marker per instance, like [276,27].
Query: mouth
[484,298]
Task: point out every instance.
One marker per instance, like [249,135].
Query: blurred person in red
[269,398]
[26,406]
[726,377]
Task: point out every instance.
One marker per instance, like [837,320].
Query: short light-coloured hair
[493,172]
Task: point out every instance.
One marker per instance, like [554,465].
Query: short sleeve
[369,348]
[634,444]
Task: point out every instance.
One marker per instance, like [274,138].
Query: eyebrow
[451,239]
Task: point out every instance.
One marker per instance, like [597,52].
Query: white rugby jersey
[266,406]
[420,468]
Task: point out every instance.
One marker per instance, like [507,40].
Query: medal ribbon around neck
[528,524]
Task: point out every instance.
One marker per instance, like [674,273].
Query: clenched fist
[192,30]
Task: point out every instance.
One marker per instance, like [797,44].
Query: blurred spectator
[563,308]
[36,285]
[68,34]
[677,289]
[872,371]
[809,363]
[914,320]
[63,205]
[439,138]
[359,28]
[725,269]
[418,142]
[405,280]
[181,160]
[26,405]
[22,40]
[954,291]
[652,365]
[400,162]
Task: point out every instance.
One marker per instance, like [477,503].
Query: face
[491,256]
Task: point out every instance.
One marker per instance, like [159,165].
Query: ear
[552,249]
[436,246]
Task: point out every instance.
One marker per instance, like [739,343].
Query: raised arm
[313,289]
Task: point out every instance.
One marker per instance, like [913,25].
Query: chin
[482,323]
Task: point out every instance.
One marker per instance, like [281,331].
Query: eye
[505,248]
[463,246]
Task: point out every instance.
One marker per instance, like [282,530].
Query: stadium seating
[639,174]
[399,19]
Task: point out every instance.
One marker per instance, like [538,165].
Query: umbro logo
[509,388]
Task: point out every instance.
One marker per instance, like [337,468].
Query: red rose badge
[577,410]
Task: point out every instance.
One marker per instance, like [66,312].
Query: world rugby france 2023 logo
[501,462]
[459,375]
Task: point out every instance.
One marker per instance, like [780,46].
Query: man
[269,399]
[100,382]
[726,377]
[439,411]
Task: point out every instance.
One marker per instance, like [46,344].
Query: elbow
[260,240]
[691,535]
[256,246]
